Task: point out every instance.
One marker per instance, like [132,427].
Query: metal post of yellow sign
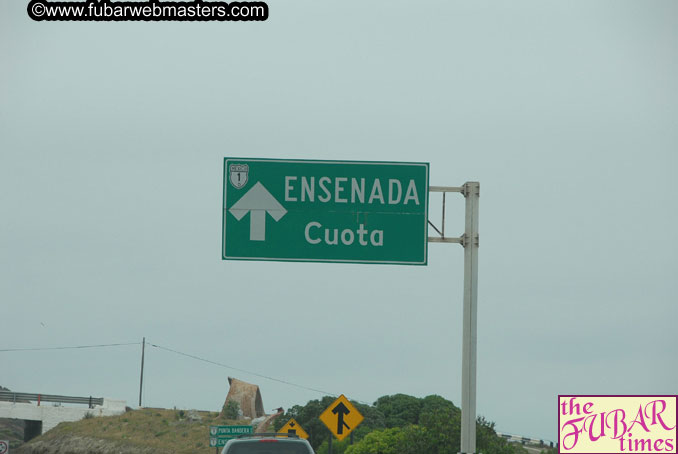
[292,427]
[341,417]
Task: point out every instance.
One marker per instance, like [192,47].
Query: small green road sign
[325,211]
[219,435]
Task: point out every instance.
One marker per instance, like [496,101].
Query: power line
[243,370]
[66,348]
[177,353]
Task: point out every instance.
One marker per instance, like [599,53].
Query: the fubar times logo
[617,424]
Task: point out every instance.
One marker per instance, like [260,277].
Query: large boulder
[247,396]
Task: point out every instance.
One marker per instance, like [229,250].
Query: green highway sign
[325,211]
[218,442]
[219,435]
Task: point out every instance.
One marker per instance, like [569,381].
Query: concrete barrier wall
[51,415]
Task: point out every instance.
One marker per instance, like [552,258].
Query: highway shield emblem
[238,175]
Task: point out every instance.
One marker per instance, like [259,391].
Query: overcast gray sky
[112,139]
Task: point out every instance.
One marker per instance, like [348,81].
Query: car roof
[280,437]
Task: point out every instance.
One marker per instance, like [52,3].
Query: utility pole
[141,382]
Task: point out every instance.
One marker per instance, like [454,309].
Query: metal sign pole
[470,317]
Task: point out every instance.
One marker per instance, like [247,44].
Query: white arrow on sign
[257,202]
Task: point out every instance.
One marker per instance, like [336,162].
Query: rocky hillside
[145,431]
[13,431]
[73,444]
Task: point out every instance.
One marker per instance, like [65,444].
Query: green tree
[399,424]
[385,441]
[435,402]
[338,447]
[373,420]
[443,429]
[399,409]
[411,439]
[416,440]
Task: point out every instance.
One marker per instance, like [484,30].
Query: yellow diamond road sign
[341,417]
[293,427]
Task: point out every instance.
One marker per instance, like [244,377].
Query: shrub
[231,410]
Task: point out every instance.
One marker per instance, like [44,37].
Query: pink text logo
[617,424]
